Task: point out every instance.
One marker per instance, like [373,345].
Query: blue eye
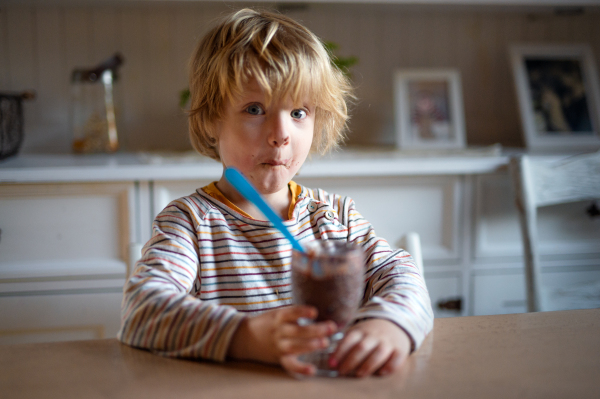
[255,109]
[298,114]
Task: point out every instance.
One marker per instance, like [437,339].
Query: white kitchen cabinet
[395,205]
[468,225]
[72,226]
[64,254]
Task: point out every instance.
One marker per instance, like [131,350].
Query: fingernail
[333,363]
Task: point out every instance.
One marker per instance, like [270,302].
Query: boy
[213,282]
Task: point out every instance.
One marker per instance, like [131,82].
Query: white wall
[40,45]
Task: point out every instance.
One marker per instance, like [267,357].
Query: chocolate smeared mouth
[286,163]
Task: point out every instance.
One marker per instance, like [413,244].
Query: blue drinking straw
[244,187]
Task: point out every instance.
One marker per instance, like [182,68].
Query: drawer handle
[454,304]
[593,210]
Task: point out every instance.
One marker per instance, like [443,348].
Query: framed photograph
[557,88]
[429,109]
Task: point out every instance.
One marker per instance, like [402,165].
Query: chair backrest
[542,181]
[567,180]
[412,243]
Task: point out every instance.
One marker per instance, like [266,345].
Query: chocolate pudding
[329,276]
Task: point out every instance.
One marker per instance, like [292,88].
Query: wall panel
[53,89]
[42,44]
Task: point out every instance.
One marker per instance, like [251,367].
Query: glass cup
[329,276]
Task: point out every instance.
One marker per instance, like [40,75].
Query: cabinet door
[428,205]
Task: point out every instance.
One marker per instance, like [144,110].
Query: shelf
[38,168]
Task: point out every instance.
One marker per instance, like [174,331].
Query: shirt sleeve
[395,289]
[158,312]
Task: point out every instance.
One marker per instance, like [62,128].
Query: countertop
[52,168]
[531,355]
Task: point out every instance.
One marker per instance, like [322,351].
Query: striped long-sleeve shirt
[208,265]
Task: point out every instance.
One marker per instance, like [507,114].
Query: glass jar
[94,108]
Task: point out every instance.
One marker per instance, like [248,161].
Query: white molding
[61,268]
[57,287]
[133,167]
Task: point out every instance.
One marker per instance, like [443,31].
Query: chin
[273,182]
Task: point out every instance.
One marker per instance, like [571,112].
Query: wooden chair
[542,181]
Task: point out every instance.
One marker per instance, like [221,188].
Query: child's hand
[276,337]
[372,346]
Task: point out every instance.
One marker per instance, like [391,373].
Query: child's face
[267,144]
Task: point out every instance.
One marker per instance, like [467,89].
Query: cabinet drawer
[71,314]
[563,229]
[500,292]
[443,287]
[64,229]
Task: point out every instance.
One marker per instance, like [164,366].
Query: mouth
[286,163]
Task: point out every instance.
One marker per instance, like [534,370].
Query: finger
[374,361]
[351,338]
[393,363]
[357,355]
[294,366]
[291,314]
[316,330]
[296,346]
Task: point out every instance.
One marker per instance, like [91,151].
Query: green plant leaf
[184,97]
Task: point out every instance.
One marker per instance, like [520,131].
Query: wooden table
[545,355]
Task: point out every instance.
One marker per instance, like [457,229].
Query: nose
[278,131]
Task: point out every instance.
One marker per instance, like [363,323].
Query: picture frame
[428,109]
[558,96]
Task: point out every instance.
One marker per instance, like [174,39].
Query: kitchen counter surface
[531,355]
[45,168]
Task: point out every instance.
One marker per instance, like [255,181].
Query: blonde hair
[284,57]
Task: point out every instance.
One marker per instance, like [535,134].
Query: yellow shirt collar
[213,191]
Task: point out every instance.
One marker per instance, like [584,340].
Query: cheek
[309,137]
[237,152]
